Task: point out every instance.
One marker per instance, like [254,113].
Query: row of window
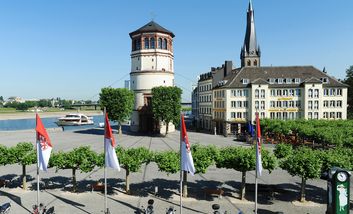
[285,104]
[285,115]
[332,104]
[218,104]
[219,94]
[239,115]
[150,43]
[205,110]
[332,92]
[239,104]
[219,115]
[240,93]
[332,115]
[285,92]
[262,107]
[313,93]
[205,98]
[284,80]
[205,87]
[257,93]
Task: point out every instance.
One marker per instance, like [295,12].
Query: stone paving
[278,191]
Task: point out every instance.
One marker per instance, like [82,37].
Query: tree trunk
[74,183]
[302,190]
[120,132]
[24,179]
[166,128]
[127,182]
[185,184]
[242,187]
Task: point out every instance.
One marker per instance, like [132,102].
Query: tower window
[137,44]
[165,44]
[249,63]
[147,43]
[152,59]
[152,43]
[255,62]
[160,43]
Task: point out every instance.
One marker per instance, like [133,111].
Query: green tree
[81,158]
[22,106]
[349,81]
[168,161]
[23,154]
[119,103]
[166,104]
[339,157]
[303,162]
[131,160]
[4,159]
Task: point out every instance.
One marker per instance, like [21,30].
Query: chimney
[228,66]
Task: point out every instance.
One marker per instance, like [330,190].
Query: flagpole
[181,171]
[37,148]
[256,115]
[105,168]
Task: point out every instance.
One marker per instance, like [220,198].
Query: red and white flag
[187,163]
[44,146]
[111,160]
[258,146]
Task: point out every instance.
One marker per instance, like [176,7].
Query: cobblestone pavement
[278,191]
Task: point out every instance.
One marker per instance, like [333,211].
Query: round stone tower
[152,65]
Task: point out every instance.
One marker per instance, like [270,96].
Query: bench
[210,191]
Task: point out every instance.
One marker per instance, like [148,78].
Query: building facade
[152,65]
[285,92]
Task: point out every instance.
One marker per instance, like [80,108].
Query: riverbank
[28,115]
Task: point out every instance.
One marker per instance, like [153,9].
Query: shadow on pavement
[67,201]
[166,188]
[14,198]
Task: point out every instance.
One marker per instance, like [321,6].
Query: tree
[303,162]
[349,81]
[81,158]
[4,159]
[22,106]
[23,154]
[168,161]
[166,104]
[119,103]
[131,160]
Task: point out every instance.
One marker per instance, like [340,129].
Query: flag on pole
[258,146]
[44,146]
[111,159]
[251,129]
[187,163]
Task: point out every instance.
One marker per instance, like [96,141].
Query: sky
[73,48]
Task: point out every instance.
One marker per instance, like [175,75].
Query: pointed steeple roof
[250,43]
[152,27]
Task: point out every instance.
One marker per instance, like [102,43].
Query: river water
[23,124]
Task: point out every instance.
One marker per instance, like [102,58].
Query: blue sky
[71,49]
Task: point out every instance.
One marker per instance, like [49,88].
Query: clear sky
[73,48]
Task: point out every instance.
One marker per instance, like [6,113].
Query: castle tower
[250,52]
[152,65]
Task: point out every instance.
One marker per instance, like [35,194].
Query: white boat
[74,120]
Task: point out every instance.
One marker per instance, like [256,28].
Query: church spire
[250,52]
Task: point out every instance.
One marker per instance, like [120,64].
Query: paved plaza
[278,191]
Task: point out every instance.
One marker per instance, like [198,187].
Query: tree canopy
[118,101]
[166,104]
[349,81]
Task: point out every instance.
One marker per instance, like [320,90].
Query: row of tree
[303,162]
[330,133]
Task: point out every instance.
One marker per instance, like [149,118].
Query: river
[23,124]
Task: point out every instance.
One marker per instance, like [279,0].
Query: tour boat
[74,120]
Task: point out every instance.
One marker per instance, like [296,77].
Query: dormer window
[280,80]
[272,80]
[245,81]
[324,80]
[288,80]
[297,80]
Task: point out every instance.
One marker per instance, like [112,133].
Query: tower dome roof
[152,27]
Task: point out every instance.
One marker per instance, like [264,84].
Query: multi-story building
[285,92]
[152,62]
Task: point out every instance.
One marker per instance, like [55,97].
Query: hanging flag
[111,159]
[187,163]
[251,129]
[44,146]
[258,146]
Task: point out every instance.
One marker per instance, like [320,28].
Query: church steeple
[250,52]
